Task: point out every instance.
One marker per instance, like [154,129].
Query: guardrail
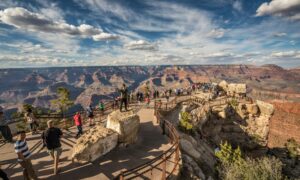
[172,155]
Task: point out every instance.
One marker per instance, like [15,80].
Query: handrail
[173,136]
[166,156]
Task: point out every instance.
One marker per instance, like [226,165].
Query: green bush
[184,123]
[233,166]
[234,103]
[292,147]
[22,126]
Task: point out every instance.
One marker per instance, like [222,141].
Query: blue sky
[40,33]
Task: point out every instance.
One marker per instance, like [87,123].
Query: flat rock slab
[126,124]
[94,144]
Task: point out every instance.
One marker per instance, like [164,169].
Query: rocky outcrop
[94,144]
[233,89]
[126,124]
[265,108]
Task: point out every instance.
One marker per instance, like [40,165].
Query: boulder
[94,144]
[252,109]
[187,147]
[126,124]
[265,108]
[223,84]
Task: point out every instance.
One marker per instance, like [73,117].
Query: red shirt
[77,119]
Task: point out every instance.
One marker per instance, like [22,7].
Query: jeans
[6,133]
[79,131]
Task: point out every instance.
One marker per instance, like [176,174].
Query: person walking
[101,107]
[51,138]
[90,114]
[78,123]
[4,128]
[31,120]
[124,97]
[24,154]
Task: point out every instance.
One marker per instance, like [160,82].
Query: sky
[44,33]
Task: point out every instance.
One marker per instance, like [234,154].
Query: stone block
[265,108]
[95,143]
[126,124]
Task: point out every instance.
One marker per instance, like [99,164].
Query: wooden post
[164,167]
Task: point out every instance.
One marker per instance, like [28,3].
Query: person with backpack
[51,139]
[90,114]
[78,123]
[124,97]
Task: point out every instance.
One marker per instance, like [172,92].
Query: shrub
[292,147]
[234,103]
[184,123]
[233,167]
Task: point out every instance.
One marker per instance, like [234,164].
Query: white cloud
[141,45]
[26,20]
[216,33]
[237,5]
[280,34]
[283,8]
[281,54]
[105,37]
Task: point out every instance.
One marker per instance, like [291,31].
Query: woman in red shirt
[78,123]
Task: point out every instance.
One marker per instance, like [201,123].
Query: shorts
[56,152]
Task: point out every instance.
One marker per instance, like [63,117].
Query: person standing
[124,97]
[90,114]
[78,123]
[31,120]
[24,154]
[51,138]
[101,107]
[4,128]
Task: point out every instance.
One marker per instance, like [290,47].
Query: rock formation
[94,144]
[126,124]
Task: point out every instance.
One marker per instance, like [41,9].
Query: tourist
[78,123]
[101,107]
[124,97]
[51,138]
[4,128]
[31,120]
[90,115]
[147,99]
[24,154]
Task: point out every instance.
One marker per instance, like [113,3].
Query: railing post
[164,166]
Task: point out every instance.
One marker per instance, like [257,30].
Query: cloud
[289,54]
[23,19]
[279,34]
[216,33]
[237,5]
[283,8]
[105,37]
[141,45]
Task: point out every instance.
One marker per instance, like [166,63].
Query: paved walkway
[150,144]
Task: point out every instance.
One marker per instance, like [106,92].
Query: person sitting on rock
[51,138]
[124,97]
[78,123]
